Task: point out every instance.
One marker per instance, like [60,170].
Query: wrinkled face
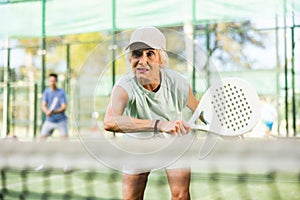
[146,64]
[52,82]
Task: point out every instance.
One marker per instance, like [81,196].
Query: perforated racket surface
[231,107]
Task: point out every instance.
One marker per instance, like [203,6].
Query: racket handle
[199,127]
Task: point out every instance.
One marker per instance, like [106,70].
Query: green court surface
[235,170]
[60,184]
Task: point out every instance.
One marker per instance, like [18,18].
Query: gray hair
[164,57]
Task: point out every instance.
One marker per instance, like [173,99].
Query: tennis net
[235,169]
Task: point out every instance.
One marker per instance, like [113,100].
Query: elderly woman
[150,100]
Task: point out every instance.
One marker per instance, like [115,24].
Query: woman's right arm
[114,119]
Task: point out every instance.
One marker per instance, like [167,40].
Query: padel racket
[231,107]
[53,104]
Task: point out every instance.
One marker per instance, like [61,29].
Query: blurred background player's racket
[230,107]
[53,104]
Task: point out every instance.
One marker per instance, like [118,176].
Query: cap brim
[137,46]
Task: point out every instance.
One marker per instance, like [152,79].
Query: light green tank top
[166,104]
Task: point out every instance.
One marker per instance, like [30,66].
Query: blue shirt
[54,99]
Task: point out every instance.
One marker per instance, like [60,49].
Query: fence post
[35,110]
[6,106]
[6,95]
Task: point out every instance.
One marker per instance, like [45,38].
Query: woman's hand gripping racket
[230,107]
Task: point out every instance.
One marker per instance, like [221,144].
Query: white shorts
[48,127]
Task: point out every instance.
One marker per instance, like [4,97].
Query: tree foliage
[228,41]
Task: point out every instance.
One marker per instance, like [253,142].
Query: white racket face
[53,104]
[231,107]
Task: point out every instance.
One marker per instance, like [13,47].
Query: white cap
[147,37]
